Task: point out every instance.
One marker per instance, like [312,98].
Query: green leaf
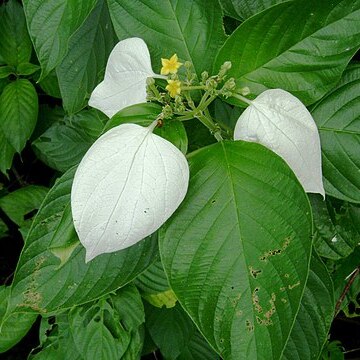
[153,280]
[243,9]
[245,220]
[18,114]
[65,143]
[15,44]
[301,47]
[19,203]
[144,114]
[3,229]
[337,116]
[226,114]
[27,69]
[154,286]
[315,316]
[50,85]
[169,26]
[176,335]
[343,271]
[39,268]
[51,24]
[83,66]
[199,135]
[48,115]
[337,232]
[5,71]
[99,330]
[105,330]
[15,326]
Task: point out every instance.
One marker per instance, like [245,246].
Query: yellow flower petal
[170,66]
[173,87]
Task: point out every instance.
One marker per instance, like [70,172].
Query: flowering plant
[206,201]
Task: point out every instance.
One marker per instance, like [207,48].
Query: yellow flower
[173,87]
[170,65]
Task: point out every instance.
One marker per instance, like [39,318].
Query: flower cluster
[131,180]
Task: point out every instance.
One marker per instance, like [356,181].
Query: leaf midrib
[236,207]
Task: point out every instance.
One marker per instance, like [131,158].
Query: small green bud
[225,67]
[188,64]
[244,91]
[230,84]
[150,81]
[167,111]
[204,76]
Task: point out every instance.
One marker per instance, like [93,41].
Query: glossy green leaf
[315,315]
[15,43]
[301,47]
[51,24]
[15,326]
[39,268]
[144,114]
[19,203]
[169,26]
[176,335]
[245,220]
[338,118]
[337,232]
[83,66]
[65,143]
[243,9]
[18,114]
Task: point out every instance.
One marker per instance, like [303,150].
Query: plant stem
[242,98]
[210,125]
[352,278]
[193,87]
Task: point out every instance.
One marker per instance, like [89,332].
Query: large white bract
[126,186]
[279,121]
[128,67]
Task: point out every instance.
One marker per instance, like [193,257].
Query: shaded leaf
[15,43]
[337,232]
[176,335]
[18,114]
[338,118]
[65,142]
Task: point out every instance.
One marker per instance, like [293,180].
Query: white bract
[128,67]
[126,186]
[279,121]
